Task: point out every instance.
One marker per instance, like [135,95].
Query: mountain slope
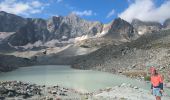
[9,62]
[149,49]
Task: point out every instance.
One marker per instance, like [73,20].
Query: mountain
[30,30]
[82,37]
[117,32]
[146,27]
[79,27]
[72,26]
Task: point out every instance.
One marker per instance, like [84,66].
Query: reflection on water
[85,80]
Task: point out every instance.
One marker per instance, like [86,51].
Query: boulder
[3,90]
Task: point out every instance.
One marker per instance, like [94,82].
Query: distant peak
[54,17]
[118,20]
[3,12]
[72,15]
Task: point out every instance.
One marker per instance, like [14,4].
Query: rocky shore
[17,90]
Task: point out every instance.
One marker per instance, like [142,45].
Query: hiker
[156,84]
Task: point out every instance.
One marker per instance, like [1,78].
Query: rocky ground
[16,90]
[126,92]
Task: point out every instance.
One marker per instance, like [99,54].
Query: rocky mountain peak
[30,30]
[72,15]
[120,29]
[119,23]
[2,13]
[71,18]
[144,27]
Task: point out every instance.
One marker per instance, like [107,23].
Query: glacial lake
[82,80]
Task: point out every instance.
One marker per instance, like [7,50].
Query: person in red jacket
[156,83]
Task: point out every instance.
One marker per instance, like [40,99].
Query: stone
[135,87]
[123,85]
[62,94]
[167,85]
[3,90]
[25,96]
[2,98]
[11,94]
[54,92]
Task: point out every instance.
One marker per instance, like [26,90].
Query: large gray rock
[3,90]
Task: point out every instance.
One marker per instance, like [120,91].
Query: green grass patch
[147,78]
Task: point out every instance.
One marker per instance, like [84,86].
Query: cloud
[69,7]
[146,10]
[22,8]
[84,13]
[36,4]
[111,13]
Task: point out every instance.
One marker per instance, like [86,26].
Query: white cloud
[69,7]
[21,8]
[146,10]
[36,4]
[84,13]
[111,13]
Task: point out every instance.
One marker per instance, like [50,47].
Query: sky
[93,10]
